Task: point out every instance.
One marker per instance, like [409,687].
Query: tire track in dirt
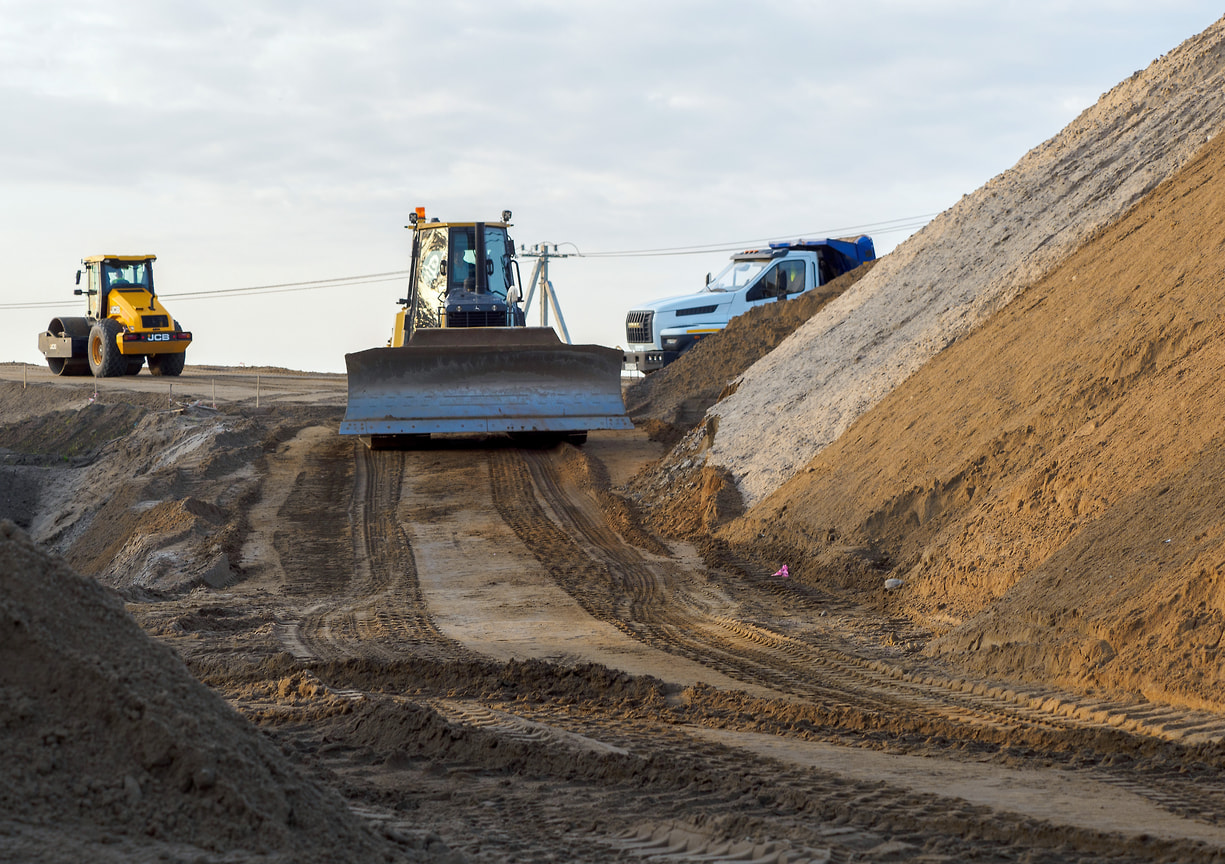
[485,588]
[791,801]
[663,612]
[562,527]
[352,562]
[391,497]
[388,614]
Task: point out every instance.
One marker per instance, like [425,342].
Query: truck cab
[660,331]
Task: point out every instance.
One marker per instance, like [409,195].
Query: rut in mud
[368,654]
[457,640]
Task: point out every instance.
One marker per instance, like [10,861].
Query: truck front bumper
[650,360]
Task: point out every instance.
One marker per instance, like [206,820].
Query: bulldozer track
[658,607]
[667,607]
[706,779]
[378,611]
[360,597]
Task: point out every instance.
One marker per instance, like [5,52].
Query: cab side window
[791,274]
[766,287]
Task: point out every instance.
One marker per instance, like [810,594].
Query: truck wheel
[167,364]
[105,361]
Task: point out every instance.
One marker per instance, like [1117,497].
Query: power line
[280,288]
[287,287]
[908,223]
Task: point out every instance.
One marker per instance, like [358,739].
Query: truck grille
[151,321]
[638,327]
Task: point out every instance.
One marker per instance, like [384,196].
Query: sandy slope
[967,264]
[1050,487]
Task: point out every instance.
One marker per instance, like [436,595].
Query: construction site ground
[474,651]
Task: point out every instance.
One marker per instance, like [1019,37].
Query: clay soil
[231,634]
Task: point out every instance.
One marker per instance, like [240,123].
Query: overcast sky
[257,143]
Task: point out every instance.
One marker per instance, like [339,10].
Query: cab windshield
[462,269]
[498,251]
[127,274]
[736,275]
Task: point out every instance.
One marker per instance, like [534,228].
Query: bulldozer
[125,325]
[462,360]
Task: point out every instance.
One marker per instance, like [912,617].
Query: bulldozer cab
[462,275]
[460,359]
[464,258]
[106,273]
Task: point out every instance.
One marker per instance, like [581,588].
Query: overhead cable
[908,224]
[280,288]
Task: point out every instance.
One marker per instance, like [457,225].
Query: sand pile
[1047,488]
[669,402]
[113,752]
[966,265]
[1051,488]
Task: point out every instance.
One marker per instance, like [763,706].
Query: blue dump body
[847,254]
[484,379]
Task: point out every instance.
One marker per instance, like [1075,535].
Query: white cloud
[290,140]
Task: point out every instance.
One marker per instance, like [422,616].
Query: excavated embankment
[1046,488]
[967,264]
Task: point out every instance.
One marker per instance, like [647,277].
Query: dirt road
[477,640]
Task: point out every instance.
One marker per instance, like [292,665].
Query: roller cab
[125,324]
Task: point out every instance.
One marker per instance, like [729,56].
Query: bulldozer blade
[484,379]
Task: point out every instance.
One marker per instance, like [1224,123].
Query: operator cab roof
[94,259]
[417,220]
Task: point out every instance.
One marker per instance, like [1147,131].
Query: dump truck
[125,325]
[461,360]
[660,331]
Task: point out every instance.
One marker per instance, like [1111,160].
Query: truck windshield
[127,274]
[736,275]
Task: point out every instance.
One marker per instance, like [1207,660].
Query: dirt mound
[967,264]
[668,402]
[114,752]
[143,514]
[1050,488]
[75,432]
[160,510]
[263,370]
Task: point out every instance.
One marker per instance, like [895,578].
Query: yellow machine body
[460,359]
[126,324]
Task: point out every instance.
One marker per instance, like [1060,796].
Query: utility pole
[540,275]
